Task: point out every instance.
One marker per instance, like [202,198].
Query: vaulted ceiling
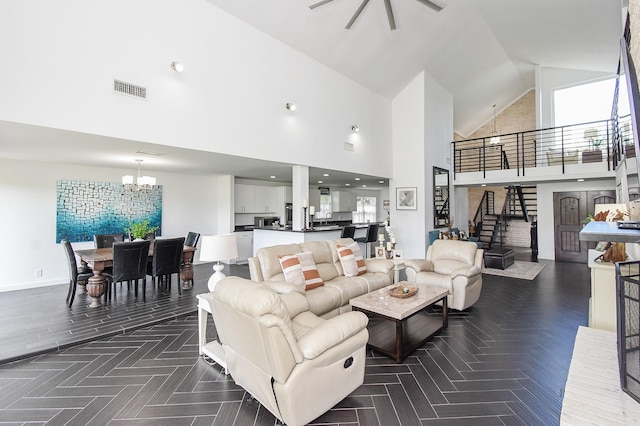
[484,52]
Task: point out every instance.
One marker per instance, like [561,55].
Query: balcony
[581,151]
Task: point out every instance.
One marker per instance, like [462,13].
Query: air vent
[348,146]
[129,89]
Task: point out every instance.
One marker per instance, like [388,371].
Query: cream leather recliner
[451,264]
[296,364]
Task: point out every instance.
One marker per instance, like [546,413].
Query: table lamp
[215,248]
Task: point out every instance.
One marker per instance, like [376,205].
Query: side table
[398,265]
[212,349]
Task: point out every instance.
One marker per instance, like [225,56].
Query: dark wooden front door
[569,209]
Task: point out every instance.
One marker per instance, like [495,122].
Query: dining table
[100,258]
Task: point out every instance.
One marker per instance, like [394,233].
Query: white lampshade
[215,248]
[146,180]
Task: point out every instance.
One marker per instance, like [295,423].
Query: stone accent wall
[518,234]
[517,117]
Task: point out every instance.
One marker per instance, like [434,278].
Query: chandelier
[142,181]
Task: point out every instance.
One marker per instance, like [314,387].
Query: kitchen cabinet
[245,246]
[255,199]
[343,201]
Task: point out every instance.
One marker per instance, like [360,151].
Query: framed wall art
[406,198]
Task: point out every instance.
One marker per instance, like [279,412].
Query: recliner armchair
[296,364]
[452,264]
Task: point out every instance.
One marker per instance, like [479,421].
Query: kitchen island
[267,237]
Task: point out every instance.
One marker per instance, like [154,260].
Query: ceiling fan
[387,5]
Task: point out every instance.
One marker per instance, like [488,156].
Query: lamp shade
[218,247]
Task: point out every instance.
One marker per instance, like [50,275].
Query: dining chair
[372,233]
[106,240]
[75,275]
[192,239]
[167,260]
[129,264]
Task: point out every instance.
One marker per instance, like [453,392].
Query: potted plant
[140,230]
[594,154]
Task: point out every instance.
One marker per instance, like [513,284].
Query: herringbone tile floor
[502,362]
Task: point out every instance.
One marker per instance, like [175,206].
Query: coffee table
[398,326]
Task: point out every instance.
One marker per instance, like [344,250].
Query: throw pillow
[351,260]
[310,271]
[291,269]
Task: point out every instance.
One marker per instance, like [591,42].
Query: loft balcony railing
[593,142]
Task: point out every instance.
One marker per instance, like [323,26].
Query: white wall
[229,99]
[422,129]
[546,248]
[438,132]
[408,165]
[28,216]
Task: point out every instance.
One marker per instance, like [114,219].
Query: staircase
[520,204]
[441,201]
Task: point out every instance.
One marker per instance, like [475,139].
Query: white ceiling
[484,52]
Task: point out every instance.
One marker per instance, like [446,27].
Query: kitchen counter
[267,237]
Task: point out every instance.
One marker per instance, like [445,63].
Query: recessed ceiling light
[355,128]
[177,66]
[484,184]
[290,106]
[380,181]
[357,178]
[272,177]
[320,181]
[325,174]
[580,180]
[347,184]
[364,186]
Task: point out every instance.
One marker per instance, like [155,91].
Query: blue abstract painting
[88,208]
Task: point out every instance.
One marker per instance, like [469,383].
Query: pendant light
[495,139]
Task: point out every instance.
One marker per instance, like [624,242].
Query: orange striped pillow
[310,271]
[291,269]
[351,260]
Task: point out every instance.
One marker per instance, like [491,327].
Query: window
[366,210]
[583,103]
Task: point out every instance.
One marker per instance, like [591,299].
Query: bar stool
[372,233]
[348,231]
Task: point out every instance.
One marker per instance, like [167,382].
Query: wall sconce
[355,128]
[177,66]
[290,106]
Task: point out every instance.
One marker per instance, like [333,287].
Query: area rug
[520,269]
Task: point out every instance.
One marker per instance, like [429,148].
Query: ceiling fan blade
[392,21]
[355,15]
[320,3]
[430,4]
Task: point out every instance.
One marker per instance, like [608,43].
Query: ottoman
[499,258]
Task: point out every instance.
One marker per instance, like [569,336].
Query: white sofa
[451,264]
[333,297]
